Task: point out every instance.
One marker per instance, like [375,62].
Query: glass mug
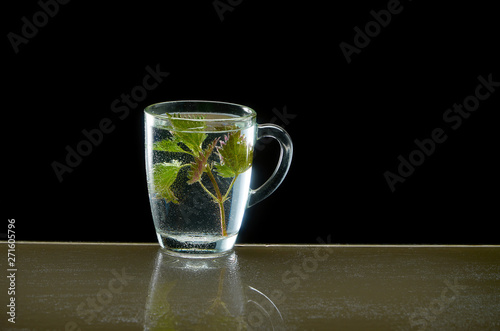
[199,162]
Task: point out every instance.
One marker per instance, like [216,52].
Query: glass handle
[286,151]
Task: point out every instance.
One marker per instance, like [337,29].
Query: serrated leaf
[224,171]
[187,122]
[164,176]
[168,146]
[185,130]
[235,155]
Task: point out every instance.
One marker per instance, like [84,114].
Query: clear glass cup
[199,163]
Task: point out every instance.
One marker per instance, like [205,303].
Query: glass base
[196,246]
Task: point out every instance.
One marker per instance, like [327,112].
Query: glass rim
[250,113]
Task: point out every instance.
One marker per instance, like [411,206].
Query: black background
[349,121]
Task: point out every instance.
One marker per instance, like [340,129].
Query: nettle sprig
[188,136]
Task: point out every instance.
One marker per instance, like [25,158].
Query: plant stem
[210,193]
[229,188]
[220,202]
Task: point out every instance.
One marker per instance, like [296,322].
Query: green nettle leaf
[235,155]
[185,131]
[164,176]
[168,146]
[224,171]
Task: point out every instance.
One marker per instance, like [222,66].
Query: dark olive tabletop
[88,286]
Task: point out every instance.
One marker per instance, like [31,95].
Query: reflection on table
[206,294]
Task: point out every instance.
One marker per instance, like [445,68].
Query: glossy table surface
[81,286]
